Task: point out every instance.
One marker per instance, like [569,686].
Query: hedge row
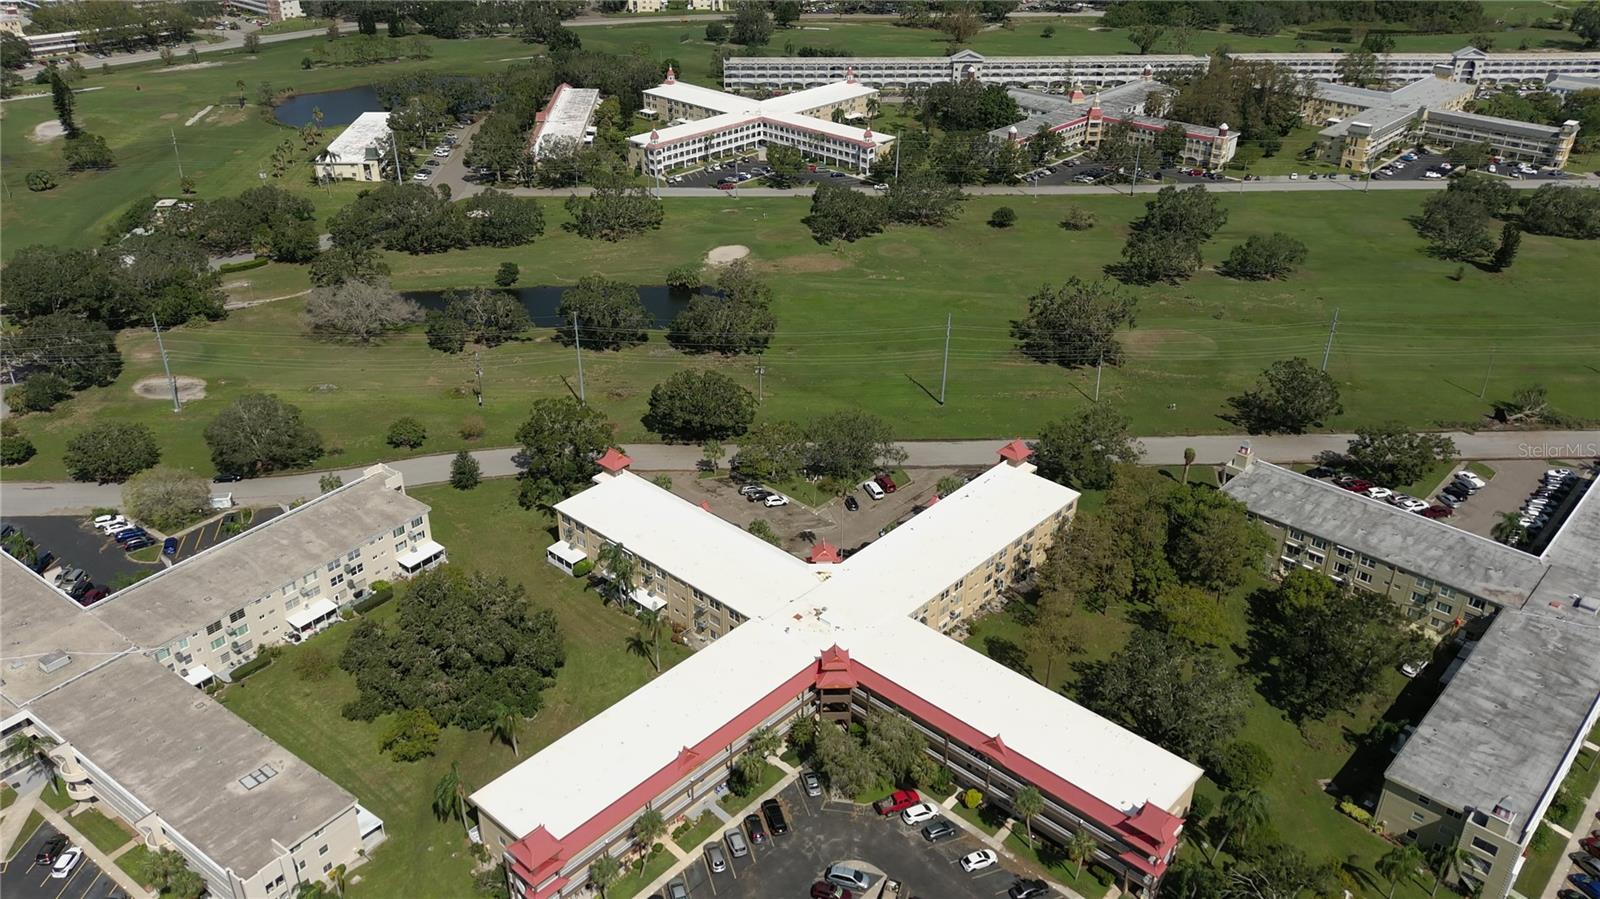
[231,267]
[374,599]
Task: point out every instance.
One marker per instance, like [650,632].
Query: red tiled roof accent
[614,460]
[823,552]
[1016,451]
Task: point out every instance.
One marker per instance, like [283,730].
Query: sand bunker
[157,388]
[47,131]
[725,254]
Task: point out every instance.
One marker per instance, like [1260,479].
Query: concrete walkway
[59,497]
[997,842]
[104,861]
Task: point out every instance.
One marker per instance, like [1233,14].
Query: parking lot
[823,832]
[710,176]
[1513,482]
[205,536]
[22,879]
[73,541]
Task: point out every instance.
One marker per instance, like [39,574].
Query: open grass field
[485,530]
[1302,812]
[862,326]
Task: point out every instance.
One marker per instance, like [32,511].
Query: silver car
[736,843]
[715,858]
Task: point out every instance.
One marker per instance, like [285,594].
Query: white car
[1434,175]
[66,863]
[422,175]
[1558,474]
[977,861]
[1471,480]
[1413,668]
[775,500]
[1411,504]
[1379,492]
[1492,169]
[112,526]
[873,490]
[1294,176]
[922,811]
[441,151]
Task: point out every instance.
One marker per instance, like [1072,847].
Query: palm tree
[339,878]
[1442,858]
[1397,864]
[504,726]
[764,741]
[1509,529]
[619,567]
[1080,848]
[1239,814]
[604,871]
[652,624]
[648,827]
[28,745]
[1027,803]
[1188,460]
[450,796]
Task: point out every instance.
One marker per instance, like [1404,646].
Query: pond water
[339,107]
[662,302]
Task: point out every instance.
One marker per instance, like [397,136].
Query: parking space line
[97,875]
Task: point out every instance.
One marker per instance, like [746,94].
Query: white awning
[418,554]
[198,675]
[566,552]
[304,617]
[648,602]
[366,821]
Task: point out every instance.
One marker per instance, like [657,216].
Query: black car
[137,543]
[772,810]
[80,588]
[752,825]
[1027,889]
[938,830]
[51,850]
[227,477]
[850,504]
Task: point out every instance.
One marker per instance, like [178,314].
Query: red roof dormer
[834,669]
[613,460]
[1016,452]
[823,552]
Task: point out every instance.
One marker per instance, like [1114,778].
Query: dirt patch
[1155,341]
[47,131]
[157,388]
[190,67]
[727,253]
[812,262]
[228,115]
[171,117]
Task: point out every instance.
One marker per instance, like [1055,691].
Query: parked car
[922,811]
[1411,504]
[715,858]
[128,532]
[169,546]
[812,783]
[1438,512]
[1413,668]
[1028,888]
[1592,844]
[81,589]
[94,596]
[758,495]
[940,829]
[748,489]
[873,490]
[773,500]
[227,477]
[139,543]
[757,831]
[825,890]
[850,504]
[886,482]
[1446,498]
[51,850]
[977,861]
[1570,894]
[847,877]
[64,865]
[1558,474]
[898,801]
[1357,485]
[736,843]
[1471,480]
[772,810]
[1587,862]
[1588,886]
[676,890]
[1379,492]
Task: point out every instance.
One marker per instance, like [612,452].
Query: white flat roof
[786,109]
[423,551]
[710,98]
[370,130]
[310,612]
[198,675]
[566,552]
[569,113]
[750,575]
[821,95]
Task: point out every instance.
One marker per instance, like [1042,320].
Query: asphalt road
[44,498]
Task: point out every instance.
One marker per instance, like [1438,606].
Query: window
[213,627]
[1418,597]
[416,522]
[1484,846]
[218,643]
[1364,577]
[327,867]
[1319,543]
[1418,817]
[1367,561]
[1423,800]
[1341,569]
[352,554]
[337,579]
[1343,553]
[1316,558]
[235,616]
[400,547]
[180,644]
[240,631]
[291,604]
[1443,607]
[1474,602]
[323,850]
[334,565]
[400,531]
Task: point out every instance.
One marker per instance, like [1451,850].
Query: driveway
[22,879]
[73,541]
[1513,482]
[825,832]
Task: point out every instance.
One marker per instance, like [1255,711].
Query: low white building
[566,121]
[363,152]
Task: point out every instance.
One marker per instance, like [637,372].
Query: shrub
[40,393]
[1077,219]
[265,657]
[411,735]
[313,663]
[15,448]
[1357,812]
[583,568]
[472,427]
[248,264]
[1102,875]
[1242,766]
[1200,808]
[507,274]
[943,781]
[663,481]
[377,597]
[465,472]
[407,432]
[1004,217]
[971,798]
[39,180]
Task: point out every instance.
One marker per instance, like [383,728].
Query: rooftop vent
[55,661]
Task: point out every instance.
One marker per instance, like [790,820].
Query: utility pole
[1099,363]
[477,359]
[171,381]
[394,145]
[945,377]
[1332,329]
[577,344]
[1485,388]
[897,160]
[175,155]
[761,380]
[1133,182]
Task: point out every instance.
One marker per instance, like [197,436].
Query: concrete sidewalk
[101,859]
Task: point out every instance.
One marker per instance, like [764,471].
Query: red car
[825,890]
[886,482]
[898,801]
[1357,486]
[1591,845]
[1437,512]
[727,185]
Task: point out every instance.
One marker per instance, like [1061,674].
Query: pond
[339,107]
[662,302]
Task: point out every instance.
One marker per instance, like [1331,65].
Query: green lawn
[634,881]
[7,796]
[862,326]
[734,803]
[1429,481]
[107,834]
[1481,469]
[1580,785]
[984,817]
[484,529]
[55,798]
[1056,864]
[1546,854]
[699,832]
[139,862]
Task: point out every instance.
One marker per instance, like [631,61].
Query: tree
[35,749]
[1399,863]
[1242,766]
[489,317]
[61,97]
[335,266]
[786,162]
[845,764]
[1261,257]
[1053,633]
[694,406]
[1145,37]
[608,315]
[899,749]
[687,278]
[498,219]
[969,105]
[1457,226]
[960,22]
[649,827]
[1193,616]
[1442,859]
[172,875]
[252,43]
[83,353]
[1171,141]
[740,320]
[1239,815]
[717,32]
[358,312]
[1027,803]
[1090,563]
[15,447]
[1075,324]
[259,433]
[1046,145]
[1510,241]
[1213,540]
[1585,23]
[923,199]
[459,647]
[840,213]
[1560,212]
[751,24]
[504,727]
[712,451]
[560,441]
[761,528]
[450,796]
[604,871]
[1289,397]
[329,482]
[1510,530]
[648,642]
[410,736]
[40,393]
[1391,454]
[1188,460]
[773,450]
[1003,217]
[1360,68]
[1185,700]
[166,497]
[849,444]
[1321,647]
[40,180]
[507,274]
[111,451]
[1077,219]
[14,51]
[464,471]
[407,218]
[1080,848]
[1165,243]
[1081,450]
[613,210]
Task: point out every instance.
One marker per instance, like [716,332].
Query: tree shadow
[1008,653]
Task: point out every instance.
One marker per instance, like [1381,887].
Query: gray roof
[1576,547]
[206,587]
[1500,735]
[37,621]
[182,754]
[1123,102]
[1430,92]
[1571,83]
[1467,562]
[1494,123]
